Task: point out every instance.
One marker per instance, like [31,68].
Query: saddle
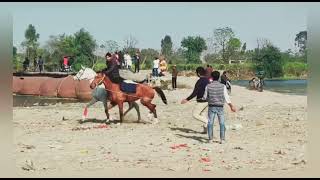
[128,86]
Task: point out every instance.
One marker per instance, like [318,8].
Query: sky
[150,22]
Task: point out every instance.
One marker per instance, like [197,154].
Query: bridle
[97,84]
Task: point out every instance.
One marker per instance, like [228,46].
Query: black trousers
[174,82]
[137,67]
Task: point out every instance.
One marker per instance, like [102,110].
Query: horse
[117,97]
[100,94]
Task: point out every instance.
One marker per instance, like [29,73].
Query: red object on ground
[205,159]
[101,126]
[179,146]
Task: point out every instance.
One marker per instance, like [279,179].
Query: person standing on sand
[216,94]
[155,70]
[208,72]
[174,77]
[198,92]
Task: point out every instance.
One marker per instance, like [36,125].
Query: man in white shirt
[127,61]
[216,94]
[155,69]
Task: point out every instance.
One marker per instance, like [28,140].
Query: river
[296,87]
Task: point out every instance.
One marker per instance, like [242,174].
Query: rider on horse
[112,70]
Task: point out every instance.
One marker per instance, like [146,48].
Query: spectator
[174,77]
[137,62]
[40,64]
[155,69]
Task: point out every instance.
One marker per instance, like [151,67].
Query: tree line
[221,48]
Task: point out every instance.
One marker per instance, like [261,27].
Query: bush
[296,69]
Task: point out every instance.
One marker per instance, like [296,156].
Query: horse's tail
[161,94]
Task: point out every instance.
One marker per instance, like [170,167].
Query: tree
[233,47]
[130,44]
[85,45]
[301,41]
[269,60]
[222,36]
[112,46]
[244,48]
[14,51]
[81,46]
[166,46]
[194,46]
[31,42]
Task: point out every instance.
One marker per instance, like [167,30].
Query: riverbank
[267,134]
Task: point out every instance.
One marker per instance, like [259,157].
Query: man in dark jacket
[112,70]
[199,89]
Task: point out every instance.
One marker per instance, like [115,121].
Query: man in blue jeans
[216,94]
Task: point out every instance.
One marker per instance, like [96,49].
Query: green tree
[244,48]
[31,41]
[222,36]
[233,48]
[194,46]
[269,60]
[85,46]
[166,46]
[301,41]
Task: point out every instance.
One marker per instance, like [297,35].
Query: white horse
[99,94]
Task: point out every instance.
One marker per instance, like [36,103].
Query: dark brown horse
[143,92]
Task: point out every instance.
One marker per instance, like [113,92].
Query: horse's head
[85,73]
[98,80]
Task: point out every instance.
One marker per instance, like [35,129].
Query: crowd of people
[125,61]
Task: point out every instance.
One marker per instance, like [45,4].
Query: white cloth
[156,63]
[128,59]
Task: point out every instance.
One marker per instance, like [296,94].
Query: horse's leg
[130,107]
[151,107]
[93,101]
[105,104]
[120,104]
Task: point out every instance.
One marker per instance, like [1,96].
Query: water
[297,87]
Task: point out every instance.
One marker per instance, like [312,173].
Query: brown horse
[143,92]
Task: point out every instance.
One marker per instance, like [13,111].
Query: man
[198,92]
[112,70]
[225,80]
[208,71]
[216,94]
[121,59]
[174,77]
[137,62]
[155,69]
[40,64]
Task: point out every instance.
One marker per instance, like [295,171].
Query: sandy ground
[267,134]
